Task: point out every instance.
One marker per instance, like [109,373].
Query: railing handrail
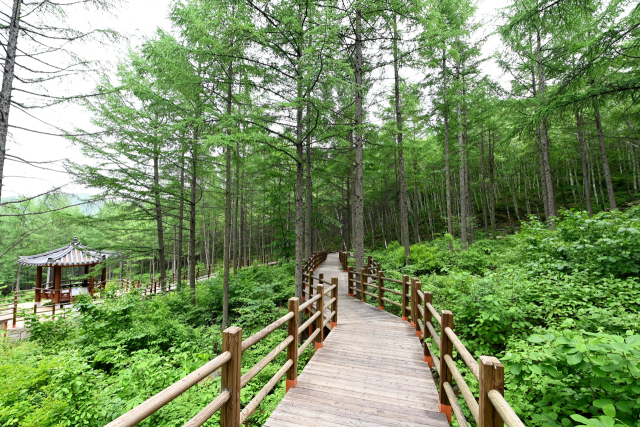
[417,305]
[232,382]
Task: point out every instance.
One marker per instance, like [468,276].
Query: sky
[136,20]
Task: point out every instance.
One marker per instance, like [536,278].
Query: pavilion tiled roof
[75,254]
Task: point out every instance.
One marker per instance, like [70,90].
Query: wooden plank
[370,371]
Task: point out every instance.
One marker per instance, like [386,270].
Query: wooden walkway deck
[370,372]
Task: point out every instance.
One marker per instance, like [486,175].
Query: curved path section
[370,372]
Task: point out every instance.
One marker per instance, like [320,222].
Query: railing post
[363,287]
[231,377]
[446,347]
[292,348]
[380,292]
[310,285]
[428,298]
[491,378]
[405,285]
[334,306]
[350,281]
[414,307]
[320,319]
[418,286]
[15,308]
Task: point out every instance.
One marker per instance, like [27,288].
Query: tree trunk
[299,202]
[235,236]
[492,189]
[308,205]
[447,160]
[159,224]
[585,166]
[192,221]
[544,140]
[7,83]
[404,215]
[227,211]
[181,226]
[484,188]
[359,185]
[605,160]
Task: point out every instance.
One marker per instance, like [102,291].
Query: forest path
[370,372]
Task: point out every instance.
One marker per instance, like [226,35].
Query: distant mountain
[88,209]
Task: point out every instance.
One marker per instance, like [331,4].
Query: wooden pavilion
[73,255]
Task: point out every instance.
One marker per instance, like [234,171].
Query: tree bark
[192,221]
[180,225]
[605,160]
[7,83]
[227,210]
[359,184]
[463,187]
[585,166]
[544,139]
[404,215]
[158,207]
[492,189]
[447,160]
[308,205]
[484,187]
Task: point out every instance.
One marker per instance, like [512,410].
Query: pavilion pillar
[90,287]
[104,278]
[38,282]
[57,279]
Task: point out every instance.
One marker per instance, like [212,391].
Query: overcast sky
[137,20]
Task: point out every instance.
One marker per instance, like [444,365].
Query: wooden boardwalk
[370,372]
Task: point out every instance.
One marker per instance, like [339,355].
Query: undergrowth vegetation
[89,368]
[559,305]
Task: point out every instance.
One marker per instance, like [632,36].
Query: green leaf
[574,358]
[609,410]
[536,339]
[601,403]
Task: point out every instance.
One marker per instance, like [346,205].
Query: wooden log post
[35,308]
[57,279]
[491,378]
[310,285]
[413,305]
[292,348]
[380,291]
[350,281]
[405,289]
[446,347]
[428,298]
[231,373]
[15,307]
[334,306]
[320,319]
[363,287]
[418,303]
[38,283]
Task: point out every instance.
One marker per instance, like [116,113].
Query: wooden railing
[230,363]
[490,408]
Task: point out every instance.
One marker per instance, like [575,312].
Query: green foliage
[89,367]
[558,305]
